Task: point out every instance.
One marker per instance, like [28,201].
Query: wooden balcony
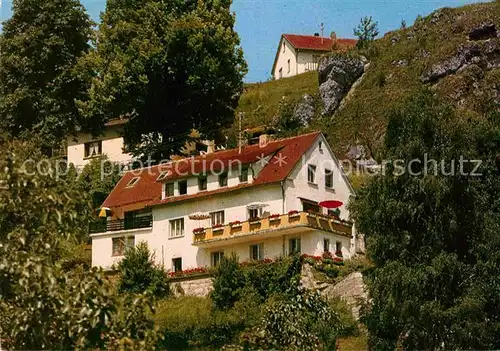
[121,224]
[271,227]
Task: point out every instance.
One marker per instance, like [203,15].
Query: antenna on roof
[322,27]
[240,137]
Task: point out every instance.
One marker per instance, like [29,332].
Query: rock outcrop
[484,54]
[304,110]
[483,32]
[337,73]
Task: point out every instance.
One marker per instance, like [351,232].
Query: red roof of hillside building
[148,189]
[311,42]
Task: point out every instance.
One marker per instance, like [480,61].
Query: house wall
[234,206]
[282,61]
[112,146]
[305,61]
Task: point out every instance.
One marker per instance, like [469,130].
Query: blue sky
[260,23]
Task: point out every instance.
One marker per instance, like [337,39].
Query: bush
[138,272]
[227,283]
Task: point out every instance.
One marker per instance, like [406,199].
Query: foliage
[139,273]
[366,31]
[303,322]
[42,305]
[227,283]
[170,66]
[98,178]
[433,234]
[41,45]
[192,322]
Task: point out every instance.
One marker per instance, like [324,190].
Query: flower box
[312,214]
[235,224]
[274,217]
[199,231]
[254,220]
[217,227]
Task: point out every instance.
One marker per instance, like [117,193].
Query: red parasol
[331,204]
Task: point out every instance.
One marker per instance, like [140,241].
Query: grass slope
[429,41]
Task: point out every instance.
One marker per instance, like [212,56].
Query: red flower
[234,223]
[293,212]
[198,230]
[275,215]
[217,226]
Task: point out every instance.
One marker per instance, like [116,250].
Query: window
[183,187]
[133,182]
[169,189]
[138,219]
[202,183]
[257,252]
[310,206]
[254,213]
[93,149]
[176,228]
[217,257]
[326,245]
[328,178]
[294,246]
[223,180]
[163,175]
[338,246]
[284,46]
[320,146]
[311,174]
[244,175]
[288,65]
[280,73]
[315,58]
[177,264]
[217,217]
[120,245]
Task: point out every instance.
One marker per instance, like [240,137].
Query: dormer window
[183,187]
[169,189]
[202,183]
[244,175]
[163,175]
[133,182]
[223,180]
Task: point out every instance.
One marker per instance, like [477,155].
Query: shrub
[138,272]
[227,283]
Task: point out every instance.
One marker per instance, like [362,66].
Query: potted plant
[254,220]
[217,227]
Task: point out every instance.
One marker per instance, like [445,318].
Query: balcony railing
[122,224]
[284,222]
[311,66]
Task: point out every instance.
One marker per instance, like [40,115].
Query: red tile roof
[310,42]
[147,190]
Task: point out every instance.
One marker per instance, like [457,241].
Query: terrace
[276,225]
[122,224]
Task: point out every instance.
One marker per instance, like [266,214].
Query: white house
[297,54]
[262,202]
[84,147]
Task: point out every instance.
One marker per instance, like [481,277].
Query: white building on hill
[262,202]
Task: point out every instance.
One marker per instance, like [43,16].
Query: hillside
[454,51]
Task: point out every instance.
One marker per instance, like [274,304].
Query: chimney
[316,34]
[333,35]
[211,147]
[264,139]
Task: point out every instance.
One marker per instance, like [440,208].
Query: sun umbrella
[104,212]
[331,204]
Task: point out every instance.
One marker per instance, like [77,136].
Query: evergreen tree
[41,44]
[366,31]
[171,66]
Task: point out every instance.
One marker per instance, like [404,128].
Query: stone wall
[351,289]
[191,286]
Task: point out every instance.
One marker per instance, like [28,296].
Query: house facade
[298,54]
[81,149]
[262,202]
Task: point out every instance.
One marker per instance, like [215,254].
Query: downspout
[282,184]
[297,62]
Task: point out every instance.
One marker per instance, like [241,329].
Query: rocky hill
[454,51]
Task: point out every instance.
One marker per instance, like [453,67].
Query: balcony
[121,224]
[286,224]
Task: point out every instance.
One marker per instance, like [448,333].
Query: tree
[366,31]
[41,45]
[432,230]
[138,272]
[228,283]
[171,66]
[43,306]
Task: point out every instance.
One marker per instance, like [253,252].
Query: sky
[260,23]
